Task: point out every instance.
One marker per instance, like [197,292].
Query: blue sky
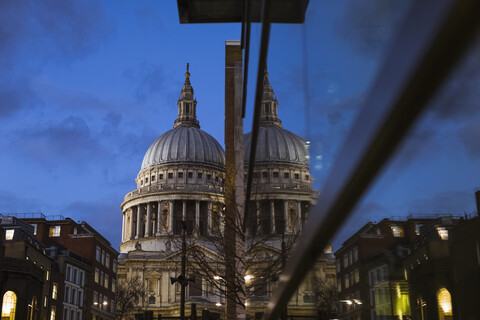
[87,86]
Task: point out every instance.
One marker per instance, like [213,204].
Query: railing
[174,187]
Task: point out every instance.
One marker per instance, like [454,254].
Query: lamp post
[181,279]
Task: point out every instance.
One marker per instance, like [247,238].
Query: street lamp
[181,279]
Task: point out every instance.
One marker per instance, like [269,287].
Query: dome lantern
[187,106]
[269,108]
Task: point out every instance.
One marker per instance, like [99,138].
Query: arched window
[9,305]
[444,304]
[32,309]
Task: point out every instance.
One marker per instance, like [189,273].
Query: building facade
[182,178]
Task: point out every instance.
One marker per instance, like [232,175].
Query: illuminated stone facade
[182,179]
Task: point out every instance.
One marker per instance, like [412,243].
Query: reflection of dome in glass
[277,144]
[184,144]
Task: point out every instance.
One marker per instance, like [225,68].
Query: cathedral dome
[184,144]
[276,144]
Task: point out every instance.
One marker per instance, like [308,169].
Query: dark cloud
[147,78]
[369,25]
[12,203]
[449,201]
[69,140]
[470,137]
[34,33]
[105,216]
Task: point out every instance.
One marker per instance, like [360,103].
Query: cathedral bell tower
[187,106]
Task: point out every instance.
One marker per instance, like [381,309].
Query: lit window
[107,260]
[34,225]
[45,301]
[9,234]
[97,275]
[443,233]
[444,303]
[54,291]
[9,305]
[54,231]
[107,279]
[52,313]
[397,231]
[95,298]
[114,285]
[418,227]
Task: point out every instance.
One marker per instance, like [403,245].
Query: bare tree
[129,298]
[326,295]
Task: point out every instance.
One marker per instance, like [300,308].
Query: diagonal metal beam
[432,39]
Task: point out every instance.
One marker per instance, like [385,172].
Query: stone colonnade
[157,218]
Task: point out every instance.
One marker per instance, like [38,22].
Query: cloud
[34,33]
[369,25]
[449,201]
[12,203]
[147,78]
[69,140]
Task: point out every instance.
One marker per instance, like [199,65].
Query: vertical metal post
[182,272]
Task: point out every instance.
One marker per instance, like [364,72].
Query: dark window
[180,175]
[151,300]
[160,176]
[200,175]
[307,177]
[297,176]
[187,107]
[146,180]
[190,175]
[216,179]
[153,178]
[209,177]
[170,175]
[286,175]
[275,174]
[264,174]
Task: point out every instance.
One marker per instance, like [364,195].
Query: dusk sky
[87,86]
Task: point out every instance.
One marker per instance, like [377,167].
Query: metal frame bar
[431,41]
[265,37]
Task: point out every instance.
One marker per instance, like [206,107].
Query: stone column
[285,216]
[130,236]
[170,222]
[139,221]
[123,226]
[148,223]
[159,218]
[209,215]
[299,216]
[272,215]
[197,214]
[184,210]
